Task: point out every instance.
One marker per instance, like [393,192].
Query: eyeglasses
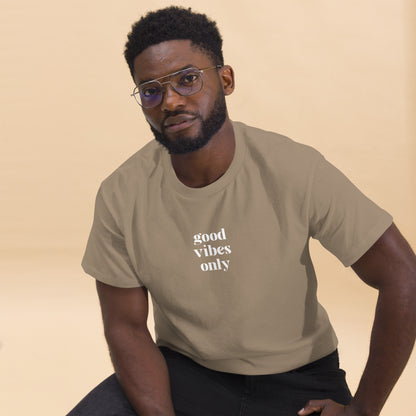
[185,82]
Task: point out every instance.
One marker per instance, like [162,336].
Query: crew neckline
[221,182]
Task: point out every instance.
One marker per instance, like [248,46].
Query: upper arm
[122,307]
[390,261]
[340,216]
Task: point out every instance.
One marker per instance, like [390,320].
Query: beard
[183,144]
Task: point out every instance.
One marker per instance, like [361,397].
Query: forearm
[142,372]
[389,266]
[392,340]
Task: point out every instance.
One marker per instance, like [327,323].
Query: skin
[389,265]
[200,168]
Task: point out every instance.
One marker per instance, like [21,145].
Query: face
[184,124]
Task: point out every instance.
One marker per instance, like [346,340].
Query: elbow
[125,333]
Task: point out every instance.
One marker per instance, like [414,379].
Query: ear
[226,74]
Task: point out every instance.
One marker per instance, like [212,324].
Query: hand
[327,408]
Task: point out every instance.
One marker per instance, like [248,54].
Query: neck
[206,165]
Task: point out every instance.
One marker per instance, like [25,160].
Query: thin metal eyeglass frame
[136,90]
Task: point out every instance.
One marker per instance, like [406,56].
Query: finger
[313,406]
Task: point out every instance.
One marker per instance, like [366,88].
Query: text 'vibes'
[212,251]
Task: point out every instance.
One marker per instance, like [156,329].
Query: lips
[179,122]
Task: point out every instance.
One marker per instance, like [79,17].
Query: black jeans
[198,391]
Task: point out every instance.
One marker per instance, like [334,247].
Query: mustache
[178,113]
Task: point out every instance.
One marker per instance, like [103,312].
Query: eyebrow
[164,76]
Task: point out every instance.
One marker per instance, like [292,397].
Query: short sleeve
[341,217]
[106,257]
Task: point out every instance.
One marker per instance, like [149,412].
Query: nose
[171,100]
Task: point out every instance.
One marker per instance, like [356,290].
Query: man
[215,224]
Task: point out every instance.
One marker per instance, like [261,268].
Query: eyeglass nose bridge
[162,94]
[163,88]
[169,81]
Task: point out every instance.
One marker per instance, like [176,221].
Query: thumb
[314,406]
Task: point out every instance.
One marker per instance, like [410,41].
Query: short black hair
[173,23]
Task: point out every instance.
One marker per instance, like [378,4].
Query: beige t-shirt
[228,265]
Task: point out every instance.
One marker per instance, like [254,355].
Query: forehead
[167,57]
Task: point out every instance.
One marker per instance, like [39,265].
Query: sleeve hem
[373,236]
[108,280]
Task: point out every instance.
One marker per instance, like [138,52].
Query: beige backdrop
[334,74]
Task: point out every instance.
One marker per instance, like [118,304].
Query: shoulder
[134,171]
[276,152]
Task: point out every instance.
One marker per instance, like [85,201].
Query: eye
[150,91]
[189,79]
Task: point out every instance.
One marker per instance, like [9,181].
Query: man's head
[163,43]
[174,23]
